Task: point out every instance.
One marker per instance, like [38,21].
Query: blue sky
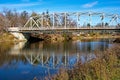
[109,6]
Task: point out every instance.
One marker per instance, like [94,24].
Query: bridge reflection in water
[57,61]
[59,55]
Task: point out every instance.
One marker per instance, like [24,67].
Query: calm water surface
[25,60]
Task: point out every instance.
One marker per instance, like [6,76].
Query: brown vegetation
[105,67]
[117,40]
[11,18]
[6,37]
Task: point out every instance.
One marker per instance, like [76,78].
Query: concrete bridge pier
[21,36]
[17,34]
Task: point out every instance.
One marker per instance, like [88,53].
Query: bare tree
[1,21]
[12,17]
[23,18]
[33,14]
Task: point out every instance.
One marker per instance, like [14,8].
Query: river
[26,60]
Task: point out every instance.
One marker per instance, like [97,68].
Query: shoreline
[7,37]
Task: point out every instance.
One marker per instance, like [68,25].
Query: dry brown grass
[6,37]
[105,67]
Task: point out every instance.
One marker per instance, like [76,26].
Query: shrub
[105,67]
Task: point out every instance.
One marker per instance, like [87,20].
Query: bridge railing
[17,29]
[57,28]
[13,29]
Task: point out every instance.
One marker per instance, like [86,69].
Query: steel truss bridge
[71,22]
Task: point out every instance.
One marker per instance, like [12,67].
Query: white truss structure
[70,20]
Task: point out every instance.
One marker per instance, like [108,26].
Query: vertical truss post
[31,23]
[102,17]
[42,20]
[53,21]
[116,21]
[110,22]
[90,19]
[65,20]
[77,19]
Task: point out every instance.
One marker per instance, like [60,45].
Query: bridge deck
[61,30]
[82,28]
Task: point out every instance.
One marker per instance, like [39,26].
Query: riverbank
[106,66]
[7,37]
[66,37]
[94,36]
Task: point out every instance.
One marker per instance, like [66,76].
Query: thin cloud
[89,5]
[20,5]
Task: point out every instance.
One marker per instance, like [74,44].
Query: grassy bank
[6,37]
[94,36]
[66,37]
[58,37]
[106,66]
